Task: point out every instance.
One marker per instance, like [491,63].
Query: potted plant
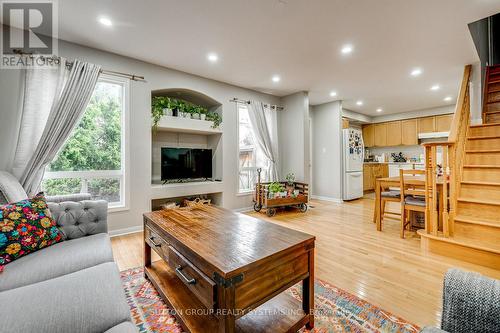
[274,190]
[197,112]
[215,117]
[290,182]
[203,113]
[158,106]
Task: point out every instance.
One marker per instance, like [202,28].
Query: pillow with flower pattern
[25,227]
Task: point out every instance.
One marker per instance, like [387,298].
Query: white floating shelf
[160,191]
[185,125]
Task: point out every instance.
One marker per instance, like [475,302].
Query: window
[93,159]
[251,156]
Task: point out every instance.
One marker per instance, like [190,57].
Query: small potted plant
[290,182]
[215,117]
[197,112]
[203,113]
[274,190]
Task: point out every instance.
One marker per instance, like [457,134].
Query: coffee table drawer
[156,242]
[199,284]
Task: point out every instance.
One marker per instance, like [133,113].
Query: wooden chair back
[411,189]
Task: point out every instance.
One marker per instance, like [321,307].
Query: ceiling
[298,39]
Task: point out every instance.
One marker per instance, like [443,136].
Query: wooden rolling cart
[262,201]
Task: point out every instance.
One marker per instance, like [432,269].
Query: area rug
[336,311]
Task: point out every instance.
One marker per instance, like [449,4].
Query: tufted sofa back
[79,219]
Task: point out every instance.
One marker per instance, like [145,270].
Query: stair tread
[484,125]
[484,166]
[473,182]
[474,220]
[483,137]
[479,201]
[468,242]
[479,151]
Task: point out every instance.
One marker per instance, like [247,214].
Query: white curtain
[264,123]
[70,94]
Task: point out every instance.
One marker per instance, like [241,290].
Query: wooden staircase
[491,101]
[474,217]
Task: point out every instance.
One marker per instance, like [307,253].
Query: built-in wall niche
[216,199]
[175,132]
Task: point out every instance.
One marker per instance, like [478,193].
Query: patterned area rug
[336,310]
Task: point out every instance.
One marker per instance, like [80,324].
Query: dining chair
[386,196]
[412,197]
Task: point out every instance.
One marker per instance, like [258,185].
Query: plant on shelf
[158,104]
[275,189]
[215,117]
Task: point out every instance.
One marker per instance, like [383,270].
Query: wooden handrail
[453,154]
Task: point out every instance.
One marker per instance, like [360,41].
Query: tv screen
[185,163]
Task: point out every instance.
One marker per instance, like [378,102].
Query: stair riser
[481,175]
[492,118]
[493,87]
[478,211]
[482,158]
[484,131]
[478,232]
[486,192]
[483,144]
[494,97]
[492,107]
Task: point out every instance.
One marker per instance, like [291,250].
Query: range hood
[433,135]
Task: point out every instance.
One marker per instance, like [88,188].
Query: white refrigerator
[353,153]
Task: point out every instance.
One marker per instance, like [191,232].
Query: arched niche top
[188,95]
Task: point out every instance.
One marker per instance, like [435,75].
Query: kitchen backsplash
[408,151]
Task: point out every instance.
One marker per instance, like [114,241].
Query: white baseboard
[330,199]
[125,231]
[243,210]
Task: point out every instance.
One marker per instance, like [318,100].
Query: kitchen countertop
[396,163]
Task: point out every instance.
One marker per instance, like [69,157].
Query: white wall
[140,119]
[293,133]
[476,96]
[327,155]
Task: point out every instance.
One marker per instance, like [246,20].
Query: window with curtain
[93,158]
[251,156]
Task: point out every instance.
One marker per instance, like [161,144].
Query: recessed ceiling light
[346,49]
[212,57]
[333,93]
[359,103]
[379,110]
[276,78]
[416,72]
[105,21]
[448,98]
[435,87]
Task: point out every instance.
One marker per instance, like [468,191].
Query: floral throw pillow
[25,227]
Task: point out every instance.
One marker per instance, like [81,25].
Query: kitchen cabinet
[369,135]
[371,172]
[443,123]
[426,125]
[380,133]
[393,130]
[409,135]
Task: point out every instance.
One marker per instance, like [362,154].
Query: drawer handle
[152,239]
[178,269]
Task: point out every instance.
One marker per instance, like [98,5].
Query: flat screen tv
[185,163]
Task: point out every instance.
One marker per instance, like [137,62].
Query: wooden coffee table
[227,272]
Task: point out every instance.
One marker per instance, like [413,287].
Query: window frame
[123,174]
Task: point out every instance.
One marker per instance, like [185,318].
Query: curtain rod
[69,64]
[273,107]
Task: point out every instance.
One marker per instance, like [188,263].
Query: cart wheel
[271,212]
[303,207]
[257,207]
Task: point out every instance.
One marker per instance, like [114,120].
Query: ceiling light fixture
[416,72]
[359,103]
[346,49]
[448,99]
[105,21]
[212,57]
[435,87]
[333,93]
[276,78]
[379,110]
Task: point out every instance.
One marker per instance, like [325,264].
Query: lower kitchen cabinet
[372,171]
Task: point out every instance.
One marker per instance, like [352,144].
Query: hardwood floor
[379,267]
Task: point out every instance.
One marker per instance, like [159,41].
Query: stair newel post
[444,196]
[452,183]
[434,209]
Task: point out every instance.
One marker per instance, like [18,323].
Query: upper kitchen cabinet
[426,125]
[380,135]
[409,134]
[369,135]
[443,123]
[393,130]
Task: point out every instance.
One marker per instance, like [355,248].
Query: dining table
[394,182]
